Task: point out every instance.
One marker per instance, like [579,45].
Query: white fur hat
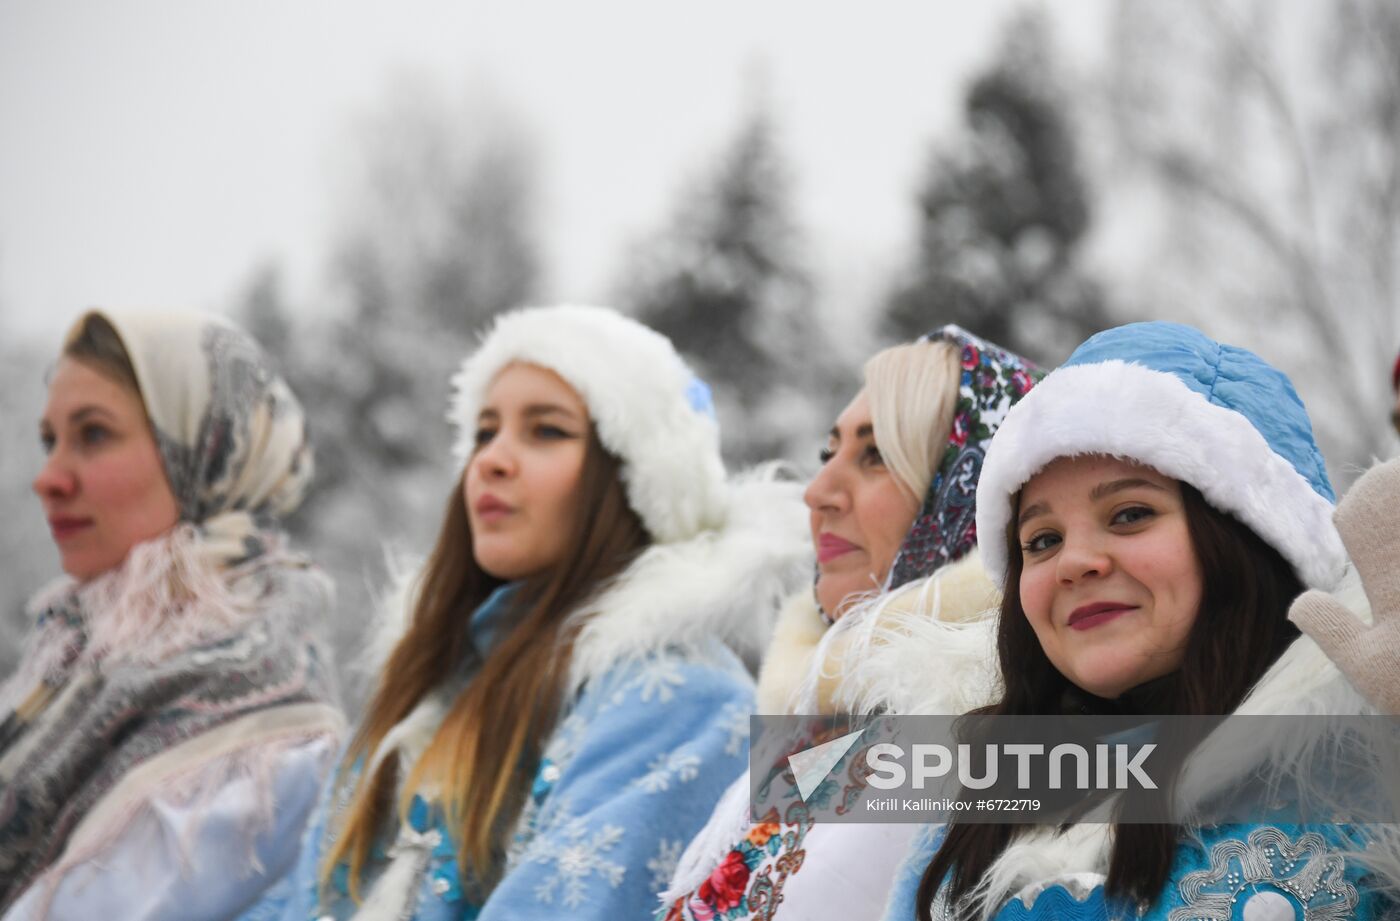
[1216,416]
[649,409]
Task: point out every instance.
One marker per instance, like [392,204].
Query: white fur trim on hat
[1132,412]
[649,409]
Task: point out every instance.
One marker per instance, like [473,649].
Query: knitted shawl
[207,624]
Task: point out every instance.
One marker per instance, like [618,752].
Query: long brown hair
[484,753]
[1241,629]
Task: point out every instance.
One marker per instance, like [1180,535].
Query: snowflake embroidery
[659,677]
[735,719]
[663,865]
[563,742]
[577,857]
[663,768]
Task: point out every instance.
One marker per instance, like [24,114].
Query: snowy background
[783,187]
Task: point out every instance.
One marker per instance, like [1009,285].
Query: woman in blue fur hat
[1160,503]
[562,704]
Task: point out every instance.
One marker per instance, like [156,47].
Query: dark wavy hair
[1242,628]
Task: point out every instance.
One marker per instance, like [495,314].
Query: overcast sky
[154,153]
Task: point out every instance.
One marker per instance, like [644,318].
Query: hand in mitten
[1368,519]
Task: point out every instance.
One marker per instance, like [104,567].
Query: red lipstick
[829,547]
[1088,616]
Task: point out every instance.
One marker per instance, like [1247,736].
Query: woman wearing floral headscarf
[892,518]
[163,738]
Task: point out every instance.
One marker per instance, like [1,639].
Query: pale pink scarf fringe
[170,594]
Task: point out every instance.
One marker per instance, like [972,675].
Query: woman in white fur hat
[165,736]
[563,705]
[891,516]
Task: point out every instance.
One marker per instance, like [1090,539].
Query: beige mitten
[1368,519]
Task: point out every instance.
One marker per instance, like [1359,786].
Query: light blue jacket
[651,734]
[605,823]
[634,766]
[654,728]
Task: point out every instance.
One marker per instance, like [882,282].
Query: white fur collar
[791,682]
[942,625]
[723,585]
[799,630]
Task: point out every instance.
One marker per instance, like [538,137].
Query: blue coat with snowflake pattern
[629,774]
[653,729]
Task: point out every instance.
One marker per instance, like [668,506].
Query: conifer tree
[725,281]
[1002,212]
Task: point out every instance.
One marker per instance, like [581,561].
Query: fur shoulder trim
[724,585]
[879,655]
[799,631]
[393,609]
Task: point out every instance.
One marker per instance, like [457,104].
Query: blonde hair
[912,390]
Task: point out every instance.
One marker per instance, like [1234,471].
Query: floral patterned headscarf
[992,381]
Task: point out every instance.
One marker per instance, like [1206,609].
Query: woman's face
[1110,581]
[522,480]
[103,486]
[859,512]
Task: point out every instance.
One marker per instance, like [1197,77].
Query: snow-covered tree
[1002,212]
[436,238]
[725,280]
[1258,146]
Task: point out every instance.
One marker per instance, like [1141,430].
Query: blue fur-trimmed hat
[1168,396]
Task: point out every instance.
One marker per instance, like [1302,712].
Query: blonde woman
[892,520]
